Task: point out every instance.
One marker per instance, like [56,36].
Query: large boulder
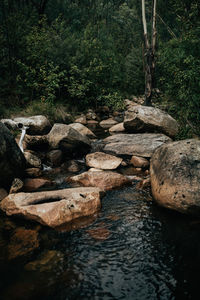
[149,119]
[175,176]
[12,161]
[38,125]
[67,139]
[82,129]
[53,208]
[101,160]
[105,180]
[134,144]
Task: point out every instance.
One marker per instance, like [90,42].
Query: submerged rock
[134,144]
[48,261]
[3,194]
[101,160]
[175,176]
[53,208]
[149,119]
[12,161]
[105,180]
[23,242]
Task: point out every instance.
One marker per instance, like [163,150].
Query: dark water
[133,250]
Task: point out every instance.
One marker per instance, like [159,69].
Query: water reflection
[132,250]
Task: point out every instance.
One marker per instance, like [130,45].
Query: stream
[131,250]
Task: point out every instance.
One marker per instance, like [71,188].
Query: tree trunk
[149,54]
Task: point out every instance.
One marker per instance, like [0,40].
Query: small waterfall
[23,129]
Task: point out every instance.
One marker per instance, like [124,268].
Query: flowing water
[131,250]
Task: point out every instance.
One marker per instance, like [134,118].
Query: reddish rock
[117,128]
[55,157]
[33,184]
[105,180]
[101,160]
[139,162]
[33,172]
[3,194]
[99,233]
[53,208]
[23,242]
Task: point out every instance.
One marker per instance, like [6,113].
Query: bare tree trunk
[149,54]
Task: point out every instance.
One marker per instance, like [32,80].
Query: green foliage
[179,73]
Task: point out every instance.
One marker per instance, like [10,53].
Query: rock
[134,144]
[91,115]
[36,142]
[149,119]
[105,180]
[55,157]
[82,129]
[23,242]
[38,125]
[12,161]
[48,261]
[175,176]
[117,128]
[33,184]
[33,172]
[68,140]
[99,233]
[100,160]
[16,186]
[81,119]
[3,194]
[53,208]
[94,170]
[107,123]
[32,160]
[10,124]
[73,166]
[144,183]
[139,162]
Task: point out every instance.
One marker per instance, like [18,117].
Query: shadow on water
[132,250]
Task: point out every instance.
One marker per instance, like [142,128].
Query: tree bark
[149,54]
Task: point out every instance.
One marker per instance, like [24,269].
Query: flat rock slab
[101,160]
[175,176]
[105,180]
[107,123]
[149,119]
[134,144]
[53,208]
